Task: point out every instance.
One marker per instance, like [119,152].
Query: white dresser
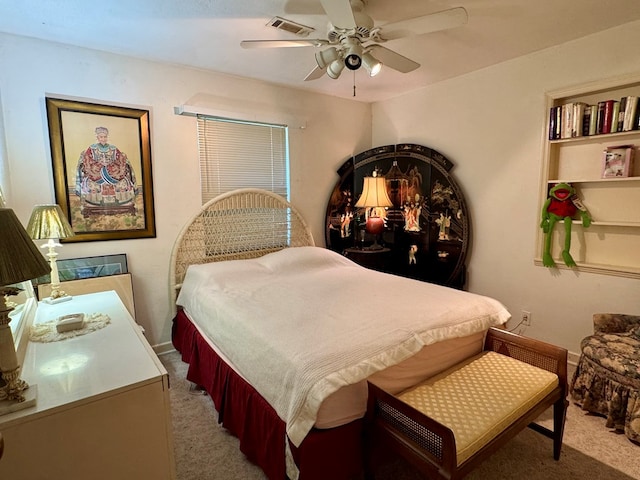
[103,409]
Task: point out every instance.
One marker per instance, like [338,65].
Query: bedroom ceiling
[206,34]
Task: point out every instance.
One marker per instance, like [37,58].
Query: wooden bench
[452,422]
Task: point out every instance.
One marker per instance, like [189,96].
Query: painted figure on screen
[105,180]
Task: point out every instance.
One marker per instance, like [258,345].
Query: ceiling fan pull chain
[354,83]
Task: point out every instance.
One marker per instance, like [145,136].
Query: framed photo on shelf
[617,162]
[101,157]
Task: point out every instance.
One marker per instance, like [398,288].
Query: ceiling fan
[354,41]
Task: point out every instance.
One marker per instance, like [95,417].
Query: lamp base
[53,301]
[30,396]
[374,226]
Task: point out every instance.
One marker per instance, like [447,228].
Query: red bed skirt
[334,453]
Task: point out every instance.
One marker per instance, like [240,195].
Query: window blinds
[236,154]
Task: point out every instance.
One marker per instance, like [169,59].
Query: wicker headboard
[240,224]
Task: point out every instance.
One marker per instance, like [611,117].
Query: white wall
[491,125]
[32,69]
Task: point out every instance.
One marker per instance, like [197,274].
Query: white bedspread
[301,323]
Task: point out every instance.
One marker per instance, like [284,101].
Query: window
[238,154]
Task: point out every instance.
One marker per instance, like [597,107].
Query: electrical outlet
[526,318]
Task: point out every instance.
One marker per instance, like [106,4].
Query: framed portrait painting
[101,158]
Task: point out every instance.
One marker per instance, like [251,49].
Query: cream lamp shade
[48,222]
[374,194]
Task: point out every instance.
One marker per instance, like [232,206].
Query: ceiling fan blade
[313,42]
[433,22]
[314,74]
[340,13]
[394,60]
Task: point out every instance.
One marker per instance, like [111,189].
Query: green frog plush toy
[562,204]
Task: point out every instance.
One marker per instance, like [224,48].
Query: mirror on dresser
[24,307]
[21,316]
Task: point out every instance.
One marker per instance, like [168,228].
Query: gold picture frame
[105,189]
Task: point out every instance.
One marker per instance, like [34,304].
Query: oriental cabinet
[426,231]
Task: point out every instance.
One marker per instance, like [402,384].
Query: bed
[284,335]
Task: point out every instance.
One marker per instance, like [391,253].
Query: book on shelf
[605,116]
[566,123]
[556,123]
[577,118]
[586,120]
[621,113]
[553,123]
[593,118]
[614,116]
[600,118]
[630,113]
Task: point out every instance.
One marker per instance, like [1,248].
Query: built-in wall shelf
[597,180]
[610,245]
[596,138]
[602,269]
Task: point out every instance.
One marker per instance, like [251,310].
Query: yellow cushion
[480,397]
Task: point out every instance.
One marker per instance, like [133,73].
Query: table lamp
[374,194]
[20,260]
[48,222]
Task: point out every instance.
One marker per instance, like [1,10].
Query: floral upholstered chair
[607,378]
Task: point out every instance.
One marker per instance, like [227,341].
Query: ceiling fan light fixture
[353,54]
[335,69]
[324,58]
[372,64]
[353,61]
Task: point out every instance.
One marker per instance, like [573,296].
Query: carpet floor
[206,451]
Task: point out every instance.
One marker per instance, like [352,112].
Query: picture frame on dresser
[122,284]
[87,267]
[105,188]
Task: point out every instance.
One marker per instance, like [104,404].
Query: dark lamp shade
[374,193]
[20,259]
[48,221]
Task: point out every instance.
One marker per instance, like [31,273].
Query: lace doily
[46,332]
